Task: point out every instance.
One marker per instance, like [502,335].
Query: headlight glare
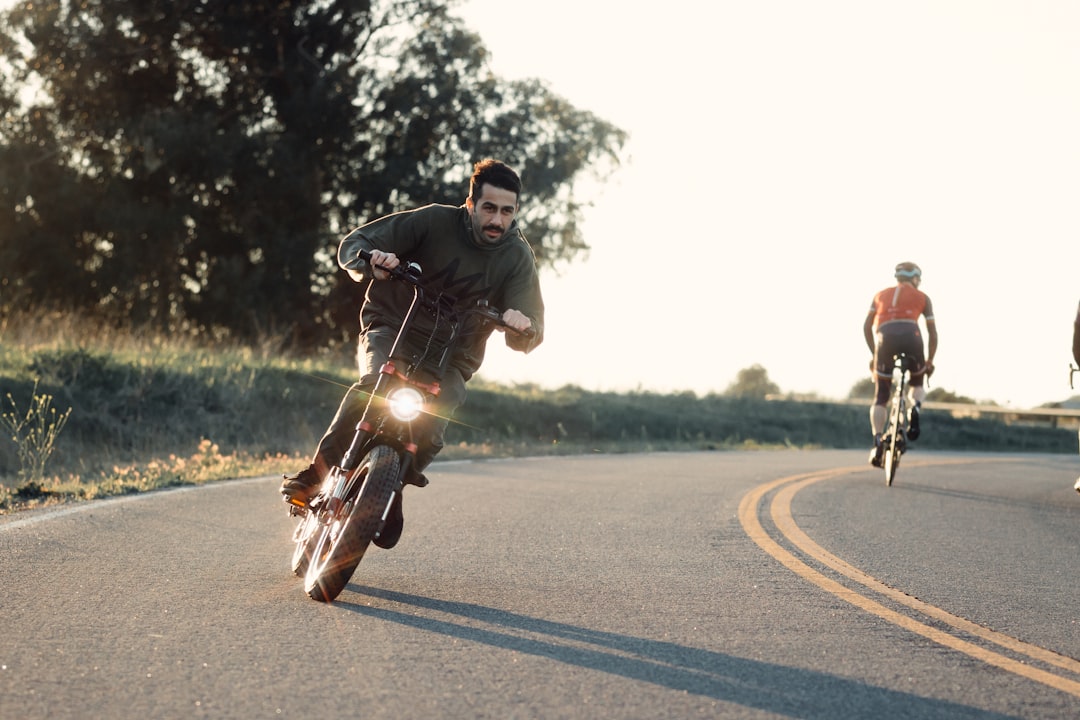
[406,403]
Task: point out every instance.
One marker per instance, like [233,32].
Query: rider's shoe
[1076,487]
[418,479]
[298,489]
[395,523]
[876,453]
[913,424]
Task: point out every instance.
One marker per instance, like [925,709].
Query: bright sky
[785,156]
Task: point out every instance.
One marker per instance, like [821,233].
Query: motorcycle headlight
[406,403]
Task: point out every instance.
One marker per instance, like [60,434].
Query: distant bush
[645,420]
[151,411]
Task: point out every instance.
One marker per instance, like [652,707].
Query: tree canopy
[192,164]
[752,382]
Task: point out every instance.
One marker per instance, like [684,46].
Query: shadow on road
[1062,503]
[787,691]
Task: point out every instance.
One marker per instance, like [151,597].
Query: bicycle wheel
[893,450]
[896,440]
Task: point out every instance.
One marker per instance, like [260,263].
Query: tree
[948,396]
[752,382]
[863,389]
[193,163]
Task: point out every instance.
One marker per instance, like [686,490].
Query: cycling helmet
[908,271]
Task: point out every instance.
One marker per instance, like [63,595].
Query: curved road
[733,584]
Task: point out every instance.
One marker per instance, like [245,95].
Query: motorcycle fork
[371,422]
[342,485]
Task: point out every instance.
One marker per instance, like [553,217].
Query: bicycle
[894,439]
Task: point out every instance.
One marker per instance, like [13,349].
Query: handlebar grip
[410,269]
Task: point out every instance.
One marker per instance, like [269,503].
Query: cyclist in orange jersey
[891,327]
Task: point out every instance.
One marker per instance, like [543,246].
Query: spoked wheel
[305,536]
[341,543]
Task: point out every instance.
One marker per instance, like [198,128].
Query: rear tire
[896,443]
[892,456]
[341,544]
[304,537]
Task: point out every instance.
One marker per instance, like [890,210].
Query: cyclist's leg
[432,436]
[883,369]
[879,411]
[372,353]
[916,385]
[878,416]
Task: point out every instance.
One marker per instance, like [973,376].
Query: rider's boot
[395,523]
[395,520]
[298,489]
[417,478]
[876,453]
[913,422]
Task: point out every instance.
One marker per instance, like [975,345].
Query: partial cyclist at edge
[1076,357]
[892,327]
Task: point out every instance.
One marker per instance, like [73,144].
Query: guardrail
[1054,417]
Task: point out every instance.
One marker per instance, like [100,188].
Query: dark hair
[494,173]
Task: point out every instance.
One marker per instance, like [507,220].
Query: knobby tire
[341,544]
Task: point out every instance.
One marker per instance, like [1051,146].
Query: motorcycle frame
[377,424]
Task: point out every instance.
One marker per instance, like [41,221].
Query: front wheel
[345,538]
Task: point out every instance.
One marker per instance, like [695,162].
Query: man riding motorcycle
[474,252]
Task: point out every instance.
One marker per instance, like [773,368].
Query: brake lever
[485,309]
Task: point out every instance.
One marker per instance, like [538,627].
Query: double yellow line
[780,512]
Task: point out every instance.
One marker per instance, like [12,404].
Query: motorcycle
[352,507]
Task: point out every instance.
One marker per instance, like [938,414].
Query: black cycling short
[900,337]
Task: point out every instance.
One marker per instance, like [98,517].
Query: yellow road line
[781,515]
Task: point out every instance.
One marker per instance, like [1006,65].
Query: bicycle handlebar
[411,274]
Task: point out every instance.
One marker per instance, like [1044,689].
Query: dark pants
[430,429]
[891,340]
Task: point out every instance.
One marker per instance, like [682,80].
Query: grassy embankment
[150,412]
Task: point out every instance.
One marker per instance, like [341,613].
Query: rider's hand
[929,368]
[517,320]
[380,260]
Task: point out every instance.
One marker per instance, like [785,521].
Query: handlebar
[411,274]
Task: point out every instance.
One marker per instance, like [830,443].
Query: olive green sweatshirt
[440,238]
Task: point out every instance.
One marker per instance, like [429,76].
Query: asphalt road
[719,585]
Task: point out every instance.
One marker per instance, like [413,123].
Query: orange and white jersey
[902,303]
